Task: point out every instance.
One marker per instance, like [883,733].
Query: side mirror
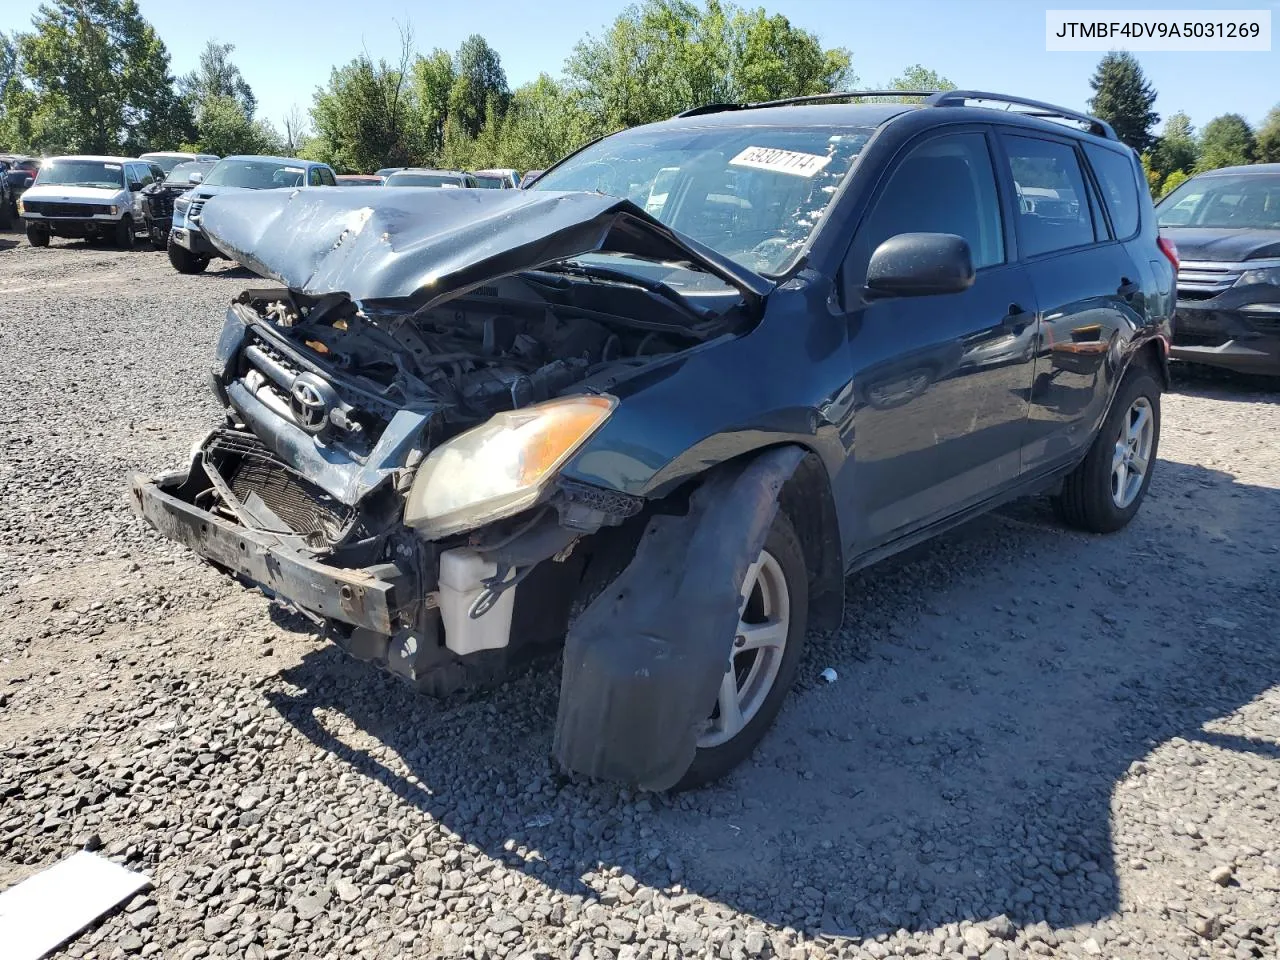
[28,181]
[920,265]
[195,177]
[134,186]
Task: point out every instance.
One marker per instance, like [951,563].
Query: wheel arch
[646,656]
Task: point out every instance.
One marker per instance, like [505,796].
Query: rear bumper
[355,597]
[1237,330]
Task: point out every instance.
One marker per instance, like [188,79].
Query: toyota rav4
[661,422]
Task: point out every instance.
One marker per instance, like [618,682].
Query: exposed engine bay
[339,372]
[332,407]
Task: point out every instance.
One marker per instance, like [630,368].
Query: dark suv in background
[1226,224]
[661,403]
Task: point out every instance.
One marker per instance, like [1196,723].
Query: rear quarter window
[1119,184]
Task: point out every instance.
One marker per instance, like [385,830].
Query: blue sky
[286,50]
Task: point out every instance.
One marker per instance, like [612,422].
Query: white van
[87,197]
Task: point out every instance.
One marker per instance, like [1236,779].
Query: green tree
[479,85]
[666,56]
[365,118]
[225,129]
[1176,149]
[1154,177]
[1267,145]
[217,76]
[772,59]
[1173,181]
[919,77]
[1123,97]
[1226,141]
[433,78]
[99,79]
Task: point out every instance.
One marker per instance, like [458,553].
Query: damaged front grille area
[273,497]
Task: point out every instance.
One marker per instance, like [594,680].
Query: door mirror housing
[134,186]
[920,265]
[195,177]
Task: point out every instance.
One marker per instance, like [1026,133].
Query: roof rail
[807,98]
[961,98]
[932,98]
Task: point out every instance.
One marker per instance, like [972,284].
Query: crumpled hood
[431,244]
[1228,245]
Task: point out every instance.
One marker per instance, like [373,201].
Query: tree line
[92,76]
[1125,99]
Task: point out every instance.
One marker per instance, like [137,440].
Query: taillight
[1169,249]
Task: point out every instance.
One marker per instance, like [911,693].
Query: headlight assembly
[1270,275]
[502,466]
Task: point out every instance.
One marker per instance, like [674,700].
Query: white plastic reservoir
[461,573]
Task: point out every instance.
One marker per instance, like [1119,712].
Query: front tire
[766,653]
[124,233]
[184,261]
[37,237]
[1104,492]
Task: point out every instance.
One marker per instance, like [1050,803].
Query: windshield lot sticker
[111,166]
[780,161]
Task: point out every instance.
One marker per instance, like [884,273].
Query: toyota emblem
[311,399]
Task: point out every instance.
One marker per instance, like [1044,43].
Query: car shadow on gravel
[996,688]
[1201,380]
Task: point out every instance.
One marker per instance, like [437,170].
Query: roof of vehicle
[358,176]
[175,153]
[827,109]
[1261,168]
[446,173]
[95,158]
[270,159]
[495,172]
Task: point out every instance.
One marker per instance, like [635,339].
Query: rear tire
[782,582]
[1104,492]
[184,261]
[37,237]
[124,233]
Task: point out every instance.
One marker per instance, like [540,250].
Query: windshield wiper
[658,288]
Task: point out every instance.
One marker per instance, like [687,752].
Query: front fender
[643,662]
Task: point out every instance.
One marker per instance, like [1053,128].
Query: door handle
[1128,288]
[1016,319]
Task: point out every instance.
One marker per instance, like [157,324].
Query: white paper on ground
[49,908]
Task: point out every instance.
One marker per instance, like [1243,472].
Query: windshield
[1246,201]
[164,163]
[409,179]
[82,173]
[753,194]
[255,174]
[181,173]
[490,183]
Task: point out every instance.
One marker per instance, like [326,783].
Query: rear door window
[1119,183]
[1054,206]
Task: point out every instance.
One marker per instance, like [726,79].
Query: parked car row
[660,402]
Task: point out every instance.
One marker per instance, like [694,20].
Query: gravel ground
[1041,743]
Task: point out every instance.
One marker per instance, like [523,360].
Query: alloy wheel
[1132,457]
[758,647]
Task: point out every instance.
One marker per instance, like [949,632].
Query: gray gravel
[1041,743]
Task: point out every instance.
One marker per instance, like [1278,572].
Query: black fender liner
[643,662]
